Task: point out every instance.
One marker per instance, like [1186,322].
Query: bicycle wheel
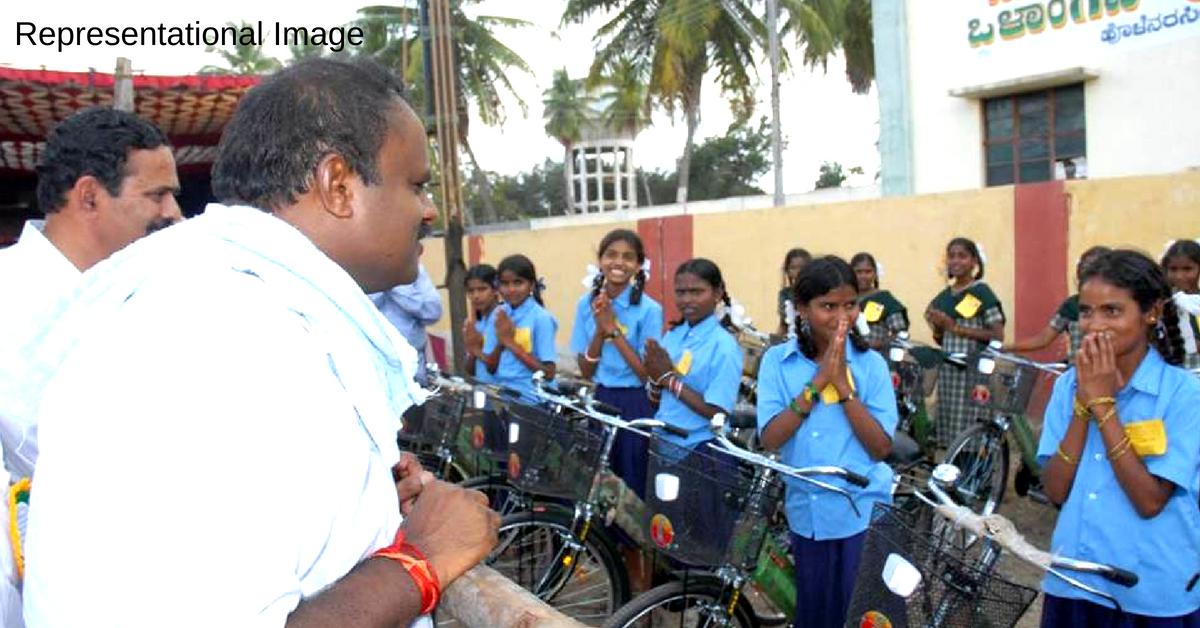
[542,552]
[701,602]
[981,455]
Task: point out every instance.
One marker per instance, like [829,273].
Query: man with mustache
[244,471]
[106,178]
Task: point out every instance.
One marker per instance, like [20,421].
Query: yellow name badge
[685,363]
[873,311]
[1148,438]
[830,394]
[969,306]
[524,338]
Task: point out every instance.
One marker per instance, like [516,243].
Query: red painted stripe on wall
[668,244]
[1041,232]
[1040,224]
[474,250]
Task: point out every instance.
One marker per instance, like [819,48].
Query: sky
[822,119]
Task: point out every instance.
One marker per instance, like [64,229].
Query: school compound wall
[1031,234]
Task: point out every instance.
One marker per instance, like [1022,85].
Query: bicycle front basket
[1007,390]
[954,591]
[551,454]
[702,507]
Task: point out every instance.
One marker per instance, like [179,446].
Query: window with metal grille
[1025,135]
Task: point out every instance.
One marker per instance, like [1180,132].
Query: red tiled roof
[192,110]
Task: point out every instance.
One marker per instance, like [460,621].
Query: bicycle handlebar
[992,350]
[903,342]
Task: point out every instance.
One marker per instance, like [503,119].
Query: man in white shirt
[106,179]
[243,472]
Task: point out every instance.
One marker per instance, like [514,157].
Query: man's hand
[453,527]
[410,478]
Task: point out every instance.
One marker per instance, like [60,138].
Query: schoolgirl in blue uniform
[1181,263]
[613,321]
[693,375]
[827,399]
[522,340]
[696,371]
[481,286]
[1120,449]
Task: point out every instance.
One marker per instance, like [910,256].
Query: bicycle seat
[905,450]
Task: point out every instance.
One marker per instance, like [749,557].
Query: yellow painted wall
[907,235]
[1138,212]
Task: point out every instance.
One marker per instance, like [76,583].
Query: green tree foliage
[832,176]
[242,59]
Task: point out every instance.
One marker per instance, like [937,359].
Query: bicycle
[561,551]
[910,576]
[726,543]
[1001,385]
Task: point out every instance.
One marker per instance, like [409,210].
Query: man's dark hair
[95,141]
[284,126]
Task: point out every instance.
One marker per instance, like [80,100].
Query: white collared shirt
[37,284]
[208,475]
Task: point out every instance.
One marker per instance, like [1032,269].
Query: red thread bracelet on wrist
[417,566]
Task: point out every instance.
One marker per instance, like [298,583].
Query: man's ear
[88,194]
[334,184]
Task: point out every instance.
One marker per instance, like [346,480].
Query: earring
[805,328]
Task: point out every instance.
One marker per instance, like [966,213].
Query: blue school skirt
[1058,612]
[628,456]
[825,573]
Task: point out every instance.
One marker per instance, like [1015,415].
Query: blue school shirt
[638,322]
[712,360]
[826,438]
[1098,522]
[532,319]
[487,327]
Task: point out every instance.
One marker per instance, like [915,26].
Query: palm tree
[243,58]
[680,41]
[822,27]
[566,108]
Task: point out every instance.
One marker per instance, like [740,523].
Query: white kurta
[36,285]
[212,475]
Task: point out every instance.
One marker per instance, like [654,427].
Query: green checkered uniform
[1066,319]
[893,317]
[954,412]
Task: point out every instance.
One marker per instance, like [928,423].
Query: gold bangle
[1098,401]
[1107,415]
[1120,448]
[1081,411]
[1066,458]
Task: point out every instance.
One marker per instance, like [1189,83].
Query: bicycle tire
[708,594]
[981,455]
[531,553]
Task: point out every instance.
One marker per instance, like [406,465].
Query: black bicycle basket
[703,507]
[1006,390]
[552,454]
[954,591]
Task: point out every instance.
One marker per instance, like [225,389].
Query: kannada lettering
[1033,18]
[1114,33]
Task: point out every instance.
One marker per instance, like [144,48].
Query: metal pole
[776,135]
[123,85]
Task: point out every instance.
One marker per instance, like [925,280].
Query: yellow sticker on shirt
[873,311]
[1149,438]
[524,338]
[685,363]
[830,394]
[969,306]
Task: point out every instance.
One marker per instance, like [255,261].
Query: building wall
[1140,109]
[1058,221]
